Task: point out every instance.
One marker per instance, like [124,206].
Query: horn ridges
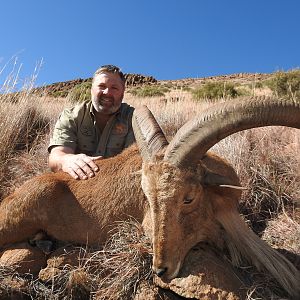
[149,136]
[197,136]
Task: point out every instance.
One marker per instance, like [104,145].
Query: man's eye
[187,200]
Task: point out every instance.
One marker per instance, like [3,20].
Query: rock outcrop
[63,88]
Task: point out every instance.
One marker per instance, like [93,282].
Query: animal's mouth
[167,274]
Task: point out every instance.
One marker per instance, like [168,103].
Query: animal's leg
[16,223]
[22,212]
[24,258]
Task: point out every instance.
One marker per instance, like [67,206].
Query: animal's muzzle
[160,271]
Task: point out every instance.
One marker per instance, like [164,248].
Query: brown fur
[75,211]
[84,211]
[178,226]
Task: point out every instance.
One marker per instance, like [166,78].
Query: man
[96,129]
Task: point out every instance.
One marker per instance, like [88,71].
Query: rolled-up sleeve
[65,131]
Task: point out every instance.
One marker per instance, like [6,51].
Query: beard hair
[100,108]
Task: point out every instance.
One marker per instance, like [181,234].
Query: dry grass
[113,272]
[171,111]
[267,161]
[26,122]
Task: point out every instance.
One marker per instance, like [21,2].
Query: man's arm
[79,166]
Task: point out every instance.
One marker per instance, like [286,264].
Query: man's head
[108,88]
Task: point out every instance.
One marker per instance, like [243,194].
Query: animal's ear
[213,179]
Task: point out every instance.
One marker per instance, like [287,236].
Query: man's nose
[105,91]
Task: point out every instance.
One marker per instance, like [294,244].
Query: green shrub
[255,85]
[149,91]
[186,88]
[168,85]
[58,94]
[258,85]
[285,84]
[243,91]
[215,90]
[81,92]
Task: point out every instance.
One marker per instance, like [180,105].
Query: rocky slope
[63,88]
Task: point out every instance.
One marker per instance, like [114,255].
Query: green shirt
[76,128]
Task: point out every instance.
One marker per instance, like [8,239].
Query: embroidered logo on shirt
[119,129]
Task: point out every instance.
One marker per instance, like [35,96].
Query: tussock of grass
[113,272]
[80,92]
[213,91]
[266,160]
[149,91]
[23,128]
[170,114]
[26,121]
[285,84]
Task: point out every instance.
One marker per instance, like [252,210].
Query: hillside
[133,80]
[63,88]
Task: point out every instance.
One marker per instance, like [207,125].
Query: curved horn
[198,135]
[148,134]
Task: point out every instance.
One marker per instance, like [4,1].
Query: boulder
[24,258]
[205,275]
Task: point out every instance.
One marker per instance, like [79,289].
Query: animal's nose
[161,271]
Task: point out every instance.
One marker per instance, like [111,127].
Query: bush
[58,94]
[149,91]
[81,92]
[186,88]
[215,90]
[285,84]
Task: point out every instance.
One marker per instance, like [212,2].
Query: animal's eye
[188,200]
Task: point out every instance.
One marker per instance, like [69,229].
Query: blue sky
[167,39]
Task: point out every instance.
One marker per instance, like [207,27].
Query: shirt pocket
[87,143]
[116,142]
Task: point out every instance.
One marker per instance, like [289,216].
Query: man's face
[107,93]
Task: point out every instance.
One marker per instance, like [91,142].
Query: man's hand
[79,166]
